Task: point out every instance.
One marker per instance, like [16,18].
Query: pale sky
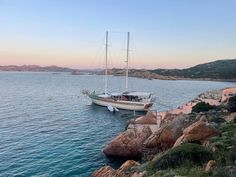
[71,33]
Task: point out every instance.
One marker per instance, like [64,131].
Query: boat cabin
[131,96]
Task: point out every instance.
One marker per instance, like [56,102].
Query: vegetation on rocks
[190,159]
[232,104]
[199,144]
[184,154]
[202,107]
[189,171]
[224,147]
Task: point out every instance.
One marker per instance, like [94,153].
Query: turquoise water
[48,128]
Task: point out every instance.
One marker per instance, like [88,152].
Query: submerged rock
[128,143]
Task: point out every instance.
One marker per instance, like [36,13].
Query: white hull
[121,104]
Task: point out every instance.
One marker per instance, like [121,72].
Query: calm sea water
[48,128]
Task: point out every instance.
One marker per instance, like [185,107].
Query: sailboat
[128,100]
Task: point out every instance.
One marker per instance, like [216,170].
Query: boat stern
[148,106]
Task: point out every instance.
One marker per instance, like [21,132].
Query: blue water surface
[49,128]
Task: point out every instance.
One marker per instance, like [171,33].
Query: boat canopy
[116,94]
[139,94]
[104,95]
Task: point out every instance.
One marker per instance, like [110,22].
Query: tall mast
[127,63]
[106,62]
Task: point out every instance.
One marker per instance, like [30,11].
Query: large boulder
[106,171]
[123,171]
[199,131]
[128,143]
[149,118]
[166,136]
[169,117]
[231,117]
[128,165]
[138,174]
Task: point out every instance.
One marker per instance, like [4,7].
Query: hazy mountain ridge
[140,73]
[220,69]
[36,68]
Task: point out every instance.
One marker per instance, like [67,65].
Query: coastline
[159,132]
[151,76]
[159,77]
[182,78]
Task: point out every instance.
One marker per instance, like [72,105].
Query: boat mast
[106,62]
[127,63]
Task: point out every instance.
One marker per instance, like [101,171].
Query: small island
[36,68]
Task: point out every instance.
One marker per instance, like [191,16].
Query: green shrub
[202,107]
[216,119]
[225,145]
[186,153]
[232,104]
[196,171]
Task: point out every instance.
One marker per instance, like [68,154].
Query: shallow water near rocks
[49,128]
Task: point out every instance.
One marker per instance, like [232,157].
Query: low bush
[202,107]
[225,145]
[189,153]
[216,119]
[232,104]
[196,171]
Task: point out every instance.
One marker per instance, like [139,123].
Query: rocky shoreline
[198,136]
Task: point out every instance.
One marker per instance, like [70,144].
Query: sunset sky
[71,33]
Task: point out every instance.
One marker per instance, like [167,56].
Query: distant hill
[217,70]
[221,70]
[36,68]
[140,73]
